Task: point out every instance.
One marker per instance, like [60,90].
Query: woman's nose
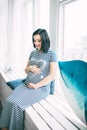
[36,43]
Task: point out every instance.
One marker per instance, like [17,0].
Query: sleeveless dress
[12,116]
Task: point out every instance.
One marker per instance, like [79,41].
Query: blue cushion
[15,83]
[52,87]
[74,74]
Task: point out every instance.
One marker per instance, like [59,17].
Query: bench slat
[34,120]
[53,124]
[58,116]
[63,102]
[27,126]
[72,117]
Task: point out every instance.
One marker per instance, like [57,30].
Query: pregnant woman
[41,70]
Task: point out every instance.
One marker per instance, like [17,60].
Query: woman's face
[37,41]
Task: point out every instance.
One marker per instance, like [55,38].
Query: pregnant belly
[34,78]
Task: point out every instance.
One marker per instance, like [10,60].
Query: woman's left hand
[31,85]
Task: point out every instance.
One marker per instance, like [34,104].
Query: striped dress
[12,116]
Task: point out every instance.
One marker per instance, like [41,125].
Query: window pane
[75,30]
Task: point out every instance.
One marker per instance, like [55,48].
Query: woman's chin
[38,49]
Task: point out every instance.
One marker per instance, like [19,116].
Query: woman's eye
[39,41]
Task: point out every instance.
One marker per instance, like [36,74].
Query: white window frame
[62,4]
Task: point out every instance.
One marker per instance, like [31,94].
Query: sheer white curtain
[53,24]
[18,19]
[3,30]
[16,26]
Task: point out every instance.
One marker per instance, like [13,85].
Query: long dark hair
[44,39]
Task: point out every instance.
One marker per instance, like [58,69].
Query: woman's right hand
[35,69]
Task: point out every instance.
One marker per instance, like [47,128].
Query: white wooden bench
[52,113]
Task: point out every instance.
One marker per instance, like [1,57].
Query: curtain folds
[16,25]
[18,19]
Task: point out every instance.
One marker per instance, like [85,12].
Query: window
[74,29]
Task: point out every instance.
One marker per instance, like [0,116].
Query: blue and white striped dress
[12,116]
